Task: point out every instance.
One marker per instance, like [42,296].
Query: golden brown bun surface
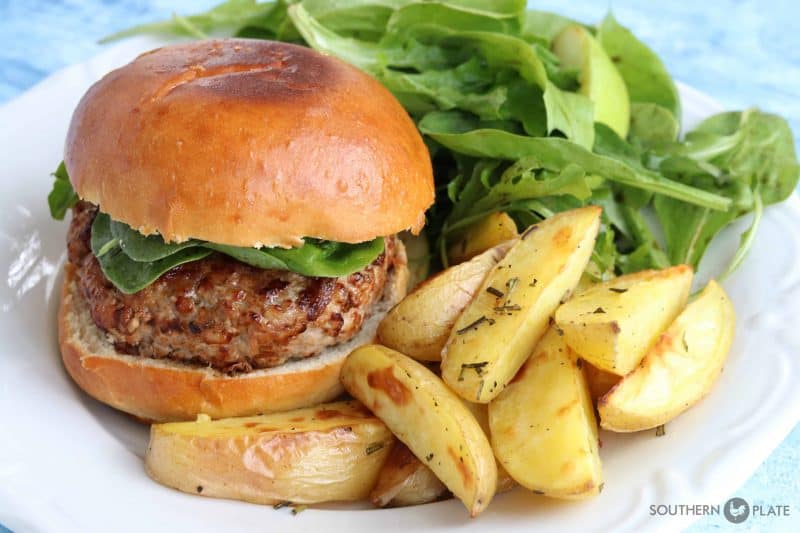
[165,391]
[248,143]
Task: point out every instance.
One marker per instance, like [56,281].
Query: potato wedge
[405,480]
[482,235]
[499,328]
[419,325]
[600,381]
[481,413]
[332,452]
[543,426]
[612,324]
[678,370]
[425,415]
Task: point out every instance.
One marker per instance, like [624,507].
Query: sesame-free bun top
[248,143]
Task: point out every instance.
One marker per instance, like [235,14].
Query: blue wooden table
[740,52]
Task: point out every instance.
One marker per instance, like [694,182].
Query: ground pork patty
[226,314]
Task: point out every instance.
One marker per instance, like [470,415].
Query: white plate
[68,463]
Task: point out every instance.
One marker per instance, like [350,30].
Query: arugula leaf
[571,114]
[750,146]
[688,229]
[465,135]
[227,15]
[62,196]
[648,252]
[362,54]
[523,180]
[747,238]
[422,20]
[747,156]
[652,126]
[644,74]
[543,26]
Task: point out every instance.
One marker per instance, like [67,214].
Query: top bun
[248,143]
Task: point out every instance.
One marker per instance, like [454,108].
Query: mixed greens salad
[531,113]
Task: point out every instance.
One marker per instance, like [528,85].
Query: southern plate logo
[736,510]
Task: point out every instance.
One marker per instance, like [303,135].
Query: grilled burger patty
[226,314]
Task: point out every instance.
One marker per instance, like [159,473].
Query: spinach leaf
[644,74]
[62,196]
[127,275]
[142,248]
[131,261]
[315,258]
[252,256]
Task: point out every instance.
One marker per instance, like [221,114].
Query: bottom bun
[164,390]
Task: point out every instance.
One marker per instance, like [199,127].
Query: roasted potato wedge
[481,413]
[482,235]
[499,328]
[404,480]
[332,452]
[543,426]
[612,324]
[425,415]
[419,325]
[600,381]
[678,370]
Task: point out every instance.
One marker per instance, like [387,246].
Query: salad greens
[132,261]
[509,129]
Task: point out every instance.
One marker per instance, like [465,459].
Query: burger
[235,210]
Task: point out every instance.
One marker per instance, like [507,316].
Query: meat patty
[226,314]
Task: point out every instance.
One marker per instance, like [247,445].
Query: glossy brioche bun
[248,143]
[163,390]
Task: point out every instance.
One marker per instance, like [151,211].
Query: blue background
[741,52]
